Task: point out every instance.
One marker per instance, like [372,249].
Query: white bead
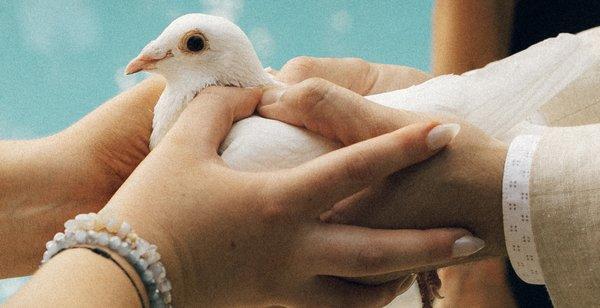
[59,236]
[112,225]
[123,249]
[70,225]
[85,221]
[147,276]
[158,270]
[92,237]
[114,242]
[153,257]
[164,286]
[133,257]
[69,239]
[142,246]
[142,264]
[80,236]
[102,239]
[124,230]
[52,247]
[46,257]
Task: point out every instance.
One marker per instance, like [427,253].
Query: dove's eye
[195,43]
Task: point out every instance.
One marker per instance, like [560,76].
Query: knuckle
[307,94]
[299,68]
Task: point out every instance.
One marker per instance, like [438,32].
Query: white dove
[504,98]
[197,50]
[193,52]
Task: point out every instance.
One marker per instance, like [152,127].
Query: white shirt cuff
[515,207]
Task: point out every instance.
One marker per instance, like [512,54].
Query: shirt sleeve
[518,232]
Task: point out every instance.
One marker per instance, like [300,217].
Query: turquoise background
[60,59]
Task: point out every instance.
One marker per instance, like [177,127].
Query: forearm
[470,34]
[46,181]
[33,203]
[78,278]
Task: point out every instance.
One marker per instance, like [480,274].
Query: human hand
[230,238]
[459,187]
[357,75]
[46,181]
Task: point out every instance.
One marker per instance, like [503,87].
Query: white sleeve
[515,207]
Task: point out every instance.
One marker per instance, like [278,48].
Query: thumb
[207,119]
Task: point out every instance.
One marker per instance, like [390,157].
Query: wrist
[493,199]
[78,277]
[174,252]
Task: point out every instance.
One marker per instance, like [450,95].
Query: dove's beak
[145,62]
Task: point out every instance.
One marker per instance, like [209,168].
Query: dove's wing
[505,98]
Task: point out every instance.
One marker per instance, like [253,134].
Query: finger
[207,119]
[336,175]
[332,111]
[336,292]
[352,251]
[354,74]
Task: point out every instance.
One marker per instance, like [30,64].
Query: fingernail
[272,95]
[466,246]
[441,135]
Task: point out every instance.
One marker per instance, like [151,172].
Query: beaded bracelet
[97,230]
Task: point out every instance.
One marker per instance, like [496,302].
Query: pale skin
[48,180]
[214,242]
[482,284]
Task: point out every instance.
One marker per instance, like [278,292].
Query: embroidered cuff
[515,207]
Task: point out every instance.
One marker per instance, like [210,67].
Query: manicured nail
[441,135]
[272,95]
[466,246]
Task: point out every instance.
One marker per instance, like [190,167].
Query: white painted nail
[466,246]
[441,135]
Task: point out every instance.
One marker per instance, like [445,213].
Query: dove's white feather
[229,60]
[503,99]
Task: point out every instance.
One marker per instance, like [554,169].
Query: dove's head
[196,50]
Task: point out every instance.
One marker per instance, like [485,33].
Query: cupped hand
[45,181]
[459,187]
[98,152]
[237,238]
